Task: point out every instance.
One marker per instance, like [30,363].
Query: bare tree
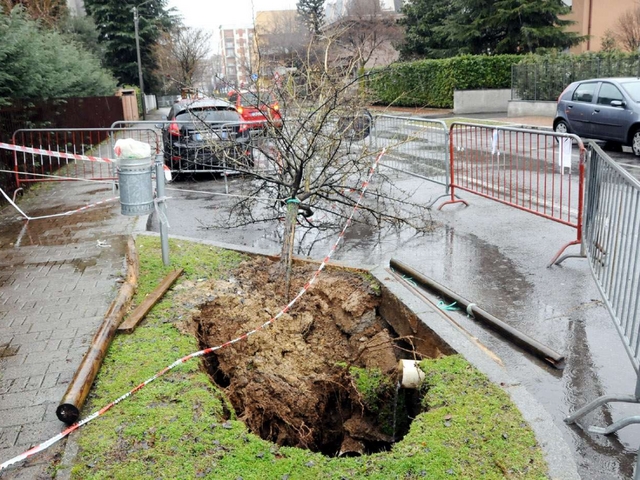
[184,55]
[308,167]
[629,29]
[281,39]
[365,32]
[609,43]
[50,12]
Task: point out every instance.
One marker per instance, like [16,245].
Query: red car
[259,108]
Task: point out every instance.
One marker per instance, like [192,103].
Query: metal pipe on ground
[68,410]
[507,331]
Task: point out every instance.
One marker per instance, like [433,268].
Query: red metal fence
[43,155]
[83,112]
[533,170]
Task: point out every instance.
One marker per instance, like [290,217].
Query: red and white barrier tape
[53,153]
[206,351]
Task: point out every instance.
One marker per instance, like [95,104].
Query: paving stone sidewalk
[57,279]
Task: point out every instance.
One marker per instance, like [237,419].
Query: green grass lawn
[176,427]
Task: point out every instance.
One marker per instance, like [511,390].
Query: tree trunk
[286,255]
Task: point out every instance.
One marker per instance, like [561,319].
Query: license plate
[199,137]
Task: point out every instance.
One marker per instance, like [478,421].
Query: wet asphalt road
[626,159]
[496,257]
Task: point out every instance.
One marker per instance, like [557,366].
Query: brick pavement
[56,283]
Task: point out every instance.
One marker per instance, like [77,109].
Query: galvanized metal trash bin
[136,188]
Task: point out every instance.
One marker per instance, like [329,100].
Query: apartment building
[236,47]
[334,10]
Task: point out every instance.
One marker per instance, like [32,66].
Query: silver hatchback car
[603,109]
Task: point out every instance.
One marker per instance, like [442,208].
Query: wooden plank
[69,408]
[129,325]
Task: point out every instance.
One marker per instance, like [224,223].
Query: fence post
[513,67]
[161,207]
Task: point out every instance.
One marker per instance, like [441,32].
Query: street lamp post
[140,79]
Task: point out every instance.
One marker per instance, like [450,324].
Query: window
[608,93]
[633,89]
[209,114]
[584,92]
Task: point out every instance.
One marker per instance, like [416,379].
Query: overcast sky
[210,14]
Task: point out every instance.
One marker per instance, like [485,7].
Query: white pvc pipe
[412,375]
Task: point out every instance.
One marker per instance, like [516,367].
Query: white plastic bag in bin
[130,148]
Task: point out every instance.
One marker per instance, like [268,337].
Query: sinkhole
[323,376]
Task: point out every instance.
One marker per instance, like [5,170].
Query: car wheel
[635,143]
[561,127]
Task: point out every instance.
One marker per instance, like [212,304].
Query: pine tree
[312,13]
[438,28]
[114,21]
[532,24]
[423,37]
[38,62]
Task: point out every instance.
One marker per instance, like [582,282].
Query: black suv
[205,135]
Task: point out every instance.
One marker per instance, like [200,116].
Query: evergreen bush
[430,83]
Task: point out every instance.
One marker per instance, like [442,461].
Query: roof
[608,79]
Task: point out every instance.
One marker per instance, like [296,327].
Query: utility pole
[140,79]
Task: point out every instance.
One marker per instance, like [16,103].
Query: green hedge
[430,83]
[544,77]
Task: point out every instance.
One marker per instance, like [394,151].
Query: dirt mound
[322,376]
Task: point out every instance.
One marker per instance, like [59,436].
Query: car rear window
[209,115]
[250,99]
[633,89]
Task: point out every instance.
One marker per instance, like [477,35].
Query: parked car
[603,109]
[260,109]
[203,134]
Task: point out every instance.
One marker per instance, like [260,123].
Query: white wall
[524,108]
[481,101]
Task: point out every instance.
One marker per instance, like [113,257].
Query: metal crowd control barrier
[211,146]
[611,235]
[415,146]
[241,146]
[60,154]
[532,170]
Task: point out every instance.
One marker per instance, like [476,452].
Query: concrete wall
[526,108]
[481,101]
